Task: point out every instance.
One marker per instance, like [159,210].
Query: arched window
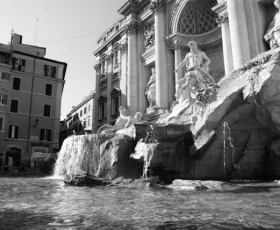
[198,18]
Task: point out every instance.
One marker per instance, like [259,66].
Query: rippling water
[42,203]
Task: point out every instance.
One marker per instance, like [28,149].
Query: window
[116,58]
[102,70]
[16,83]
[50,71]
[85,110]
[3,99]
[85,123]
[45,134]
[88,107]
[48,90]
[5,76]
[115,102]
[18,64]
[81,113]
[4,58]
[47,110]
[14,106]
[13,131]
[88,121]
[102,109]
[1,123]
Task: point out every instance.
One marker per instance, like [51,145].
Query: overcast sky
[68,29]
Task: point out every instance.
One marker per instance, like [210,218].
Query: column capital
[131,27]
[97,67]
[157,6]
[108,57]
[223,18]
[123,47]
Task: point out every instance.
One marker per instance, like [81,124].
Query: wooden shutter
[46,70]
[16,132]
[13,62]
[42,133]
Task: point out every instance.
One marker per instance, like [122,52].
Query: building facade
[30,91]
[153,34]
[81,118]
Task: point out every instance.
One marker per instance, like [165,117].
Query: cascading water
[78,155]
[150,144]
[230,142]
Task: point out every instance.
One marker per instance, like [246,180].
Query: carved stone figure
[197,77]
[151,89]
[272,35]
[124,121]
[149,36]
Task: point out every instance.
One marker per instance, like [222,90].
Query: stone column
[132,67]
[178,59]
[109,62]
[158,7]
[97,68]
[238,32]
[141,78]
[227,50]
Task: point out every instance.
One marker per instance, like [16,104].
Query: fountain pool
[45,203]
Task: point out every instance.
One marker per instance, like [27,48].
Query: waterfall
[148,154]
[78,155]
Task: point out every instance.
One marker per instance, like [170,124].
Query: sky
[69,30]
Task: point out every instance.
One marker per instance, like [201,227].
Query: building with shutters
[81,118]
[31,88]
[155,33]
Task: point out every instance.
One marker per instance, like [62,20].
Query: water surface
[44,203]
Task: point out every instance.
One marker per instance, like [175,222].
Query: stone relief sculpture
[149,36]
[197,80]
[272,35]
[151,89]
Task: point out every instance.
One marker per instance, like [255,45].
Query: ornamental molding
[222,19]
[180,41]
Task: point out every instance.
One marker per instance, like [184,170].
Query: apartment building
[80,119]
[31,88]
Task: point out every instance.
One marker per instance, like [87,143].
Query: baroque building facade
[153,36]
[31,87]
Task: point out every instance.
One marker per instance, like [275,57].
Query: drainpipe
[30,107]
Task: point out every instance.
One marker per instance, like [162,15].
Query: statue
[149,37]
[151,89]
[124,121]
[272,35]
[197,77]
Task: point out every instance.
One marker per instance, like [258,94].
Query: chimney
[16,39]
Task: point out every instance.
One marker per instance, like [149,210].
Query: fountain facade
[234,135]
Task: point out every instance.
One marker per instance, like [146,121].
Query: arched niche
[195,20]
